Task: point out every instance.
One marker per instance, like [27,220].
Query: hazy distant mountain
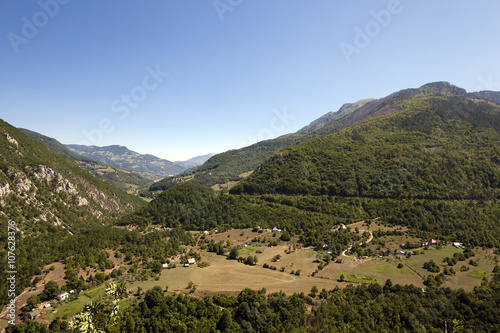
[330,117]
[489,95]
[195,161]
[148,166]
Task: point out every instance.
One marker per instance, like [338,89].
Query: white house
[62,295]
[191,261]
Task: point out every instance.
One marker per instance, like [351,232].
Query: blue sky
[183,78]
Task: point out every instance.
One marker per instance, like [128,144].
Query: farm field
[230,276]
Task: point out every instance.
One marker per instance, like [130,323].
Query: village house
[62,295]
[338,260]
[385,252]
[165,265]
[399,252]
[191,261]
[432,242]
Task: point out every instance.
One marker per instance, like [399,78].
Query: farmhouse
[165,265]
[399,252]
[62,295]
[191,261]
[276,229]
[385,252]
[338,260]
[457,245]
[33,314]
[433,242]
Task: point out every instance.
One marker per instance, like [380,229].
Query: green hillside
[433,148]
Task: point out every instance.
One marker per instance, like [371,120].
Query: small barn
[33,314]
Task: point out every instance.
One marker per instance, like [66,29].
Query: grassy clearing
[358,278]
[478,274]
[68,308]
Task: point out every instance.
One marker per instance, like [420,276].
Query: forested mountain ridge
[148,166]
[230,165]
[431,145]
[126,180]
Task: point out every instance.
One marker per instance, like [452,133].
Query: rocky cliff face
[37,185]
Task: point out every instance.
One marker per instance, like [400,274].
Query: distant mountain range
[127,180]
[195,161]
[148,166]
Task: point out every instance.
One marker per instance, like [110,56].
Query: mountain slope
[148,166]
[423,144]
[126,180]
[233,164]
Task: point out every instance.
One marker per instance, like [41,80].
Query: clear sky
[183,78]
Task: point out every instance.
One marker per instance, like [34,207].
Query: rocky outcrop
[81,201]
[11,139]
[44,172]
[4,189]
[21,182]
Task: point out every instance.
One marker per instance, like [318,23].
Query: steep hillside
[56,206]
[126,180]
[428,159]
[231,165]
[148,166]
